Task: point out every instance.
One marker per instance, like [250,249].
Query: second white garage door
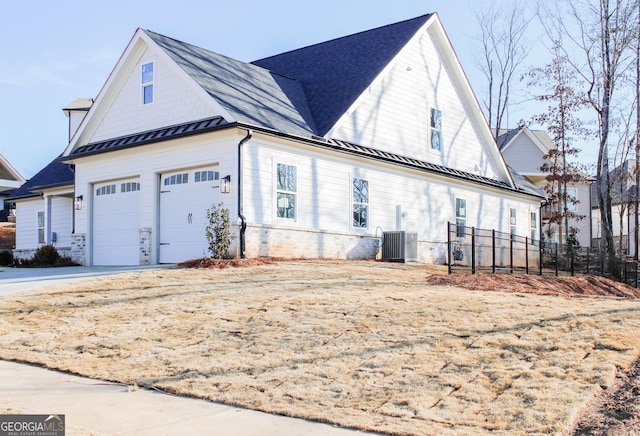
[116,223]
[185,197]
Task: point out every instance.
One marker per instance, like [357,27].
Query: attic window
[436,129]
[147,83]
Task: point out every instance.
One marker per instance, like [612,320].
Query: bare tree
[504,49]
[622,176]
[595,39]
[557,81]
[637,143]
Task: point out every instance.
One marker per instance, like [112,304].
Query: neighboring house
[316,151]
[10,179]
[524,150]
[44,210]
[44,204]
[623,195]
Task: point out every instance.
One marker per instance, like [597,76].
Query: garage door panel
[185,197]
[116,223]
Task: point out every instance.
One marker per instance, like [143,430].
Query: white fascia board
[470,99]
[19,180]
[537,141]
[512,141]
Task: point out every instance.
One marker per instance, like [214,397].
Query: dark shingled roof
[506,137]
[54,174]
[301,94]
[252,94]
[336,72]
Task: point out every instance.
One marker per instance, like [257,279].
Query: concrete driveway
[22,279]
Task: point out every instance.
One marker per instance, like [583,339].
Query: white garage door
[116,223]
[185,197]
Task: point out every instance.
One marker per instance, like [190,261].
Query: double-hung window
[512,223]
[534,226]
[360,203]
[41,227]
[461,217]
[147,83]
[436,129]
[286,192]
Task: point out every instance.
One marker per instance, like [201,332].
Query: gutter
[243,221]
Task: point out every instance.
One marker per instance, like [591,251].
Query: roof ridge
[215,53]
[425,16]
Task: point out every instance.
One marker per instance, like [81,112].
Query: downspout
[243,221]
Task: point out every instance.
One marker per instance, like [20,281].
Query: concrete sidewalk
[93,407]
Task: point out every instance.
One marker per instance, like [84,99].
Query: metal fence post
[572,259]
[449,244]
[526,254]
[473,250]
[556,259]
[511,254]
[588,252]
[541,254]
[493,250]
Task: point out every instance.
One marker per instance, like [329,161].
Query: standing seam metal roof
[217,123]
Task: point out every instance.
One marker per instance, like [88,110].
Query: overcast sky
[55,51]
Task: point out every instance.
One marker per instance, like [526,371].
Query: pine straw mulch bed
[367,345]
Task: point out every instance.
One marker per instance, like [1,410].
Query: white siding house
[524,150]
[315,152]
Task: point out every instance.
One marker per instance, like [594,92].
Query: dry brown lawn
[364,345]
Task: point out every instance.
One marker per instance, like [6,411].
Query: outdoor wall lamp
[225,184]
[78,202]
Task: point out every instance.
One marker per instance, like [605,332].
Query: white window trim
[431,129]
[513,228]
[144,85]
[295,193]
[455,213]
[533,226]
[41,229]
[367,204]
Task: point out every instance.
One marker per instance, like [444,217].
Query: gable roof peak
[335,73]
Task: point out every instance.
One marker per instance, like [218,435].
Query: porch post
[47,220]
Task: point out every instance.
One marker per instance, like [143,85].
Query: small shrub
[6,258]
[46,255]
[217,230]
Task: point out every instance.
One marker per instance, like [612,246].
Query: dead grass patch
[365,345]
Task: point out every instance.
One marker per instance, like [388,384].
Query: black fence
[479,250]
